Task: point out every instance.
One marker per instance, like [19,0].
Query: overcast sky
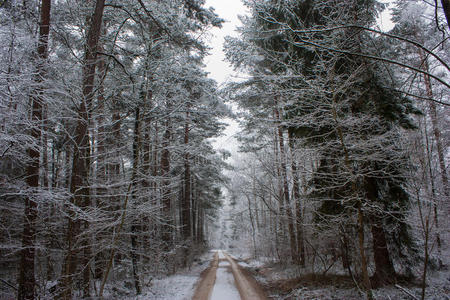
[220,70]
[227,10]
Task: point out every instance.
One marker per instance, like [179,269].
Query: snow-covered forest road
[224,280]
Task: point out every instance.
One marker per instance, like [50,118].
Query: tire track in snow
[224,288]
[207,280]
[224,280]
[247,285]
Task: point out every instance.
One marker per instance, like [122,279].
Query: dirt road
[225,279]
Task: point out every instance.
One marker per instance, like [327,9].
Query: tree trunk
[345,252]
[167,234]
[252,224]
[81,158]
[186,204]
[365,272]
[201,226]
[436,130]
[300,255]
[285,189]
[26,272]
[278,224]
[384,268]
[134,183]
[101,171]
[439,147]
[45,182]
[194,210]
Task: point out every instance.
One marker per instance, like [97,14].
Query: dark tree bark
[384,268]
[446,8]
[101,171]
[186,204]
[26,273]
[200,226]
[113,165]
[166,191]
[45,182]
[200,218]
[80,170]
[194,211]
[134,228]
[147,160]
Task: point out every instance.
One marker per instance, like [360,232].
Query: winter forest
[112,185]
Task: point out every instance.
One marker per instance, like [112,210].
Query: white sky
[384,20]
[215,64]
[218,68]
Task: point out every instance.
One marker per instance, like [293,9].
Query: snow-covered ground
[279,276]
[176,287]
[179,286]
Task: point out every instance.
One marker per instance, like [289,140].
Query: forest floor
[286,282]
[215,276]
[218,275]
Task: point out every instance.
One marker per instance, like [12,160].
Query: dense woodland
[107,169]
[345,130]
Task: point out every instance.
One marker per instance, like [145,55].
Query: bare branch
[370,57]
[117,61]
[404,39]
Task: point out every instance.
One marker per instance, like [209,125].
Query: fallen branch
[8,284]
[406,291]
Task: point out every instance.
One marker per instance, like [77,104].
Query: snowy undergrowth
[290,282]
[179,286]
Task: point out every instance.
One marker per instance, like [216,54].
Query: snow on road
[224,287]
[221,255]
[224,280]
